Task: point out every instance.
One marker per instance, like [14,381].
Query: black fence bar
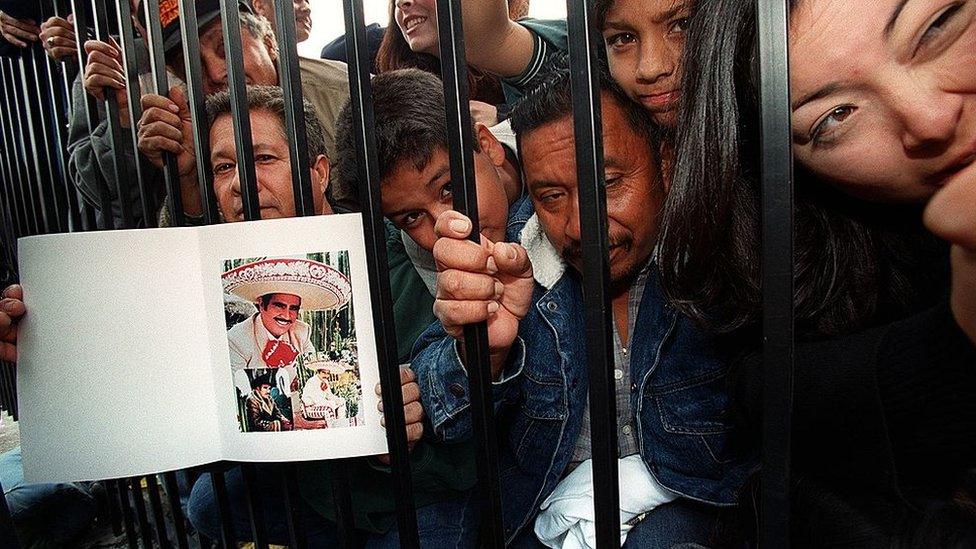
[39,115]
[28,138]
[237,85]
[29,176]
[374,230]
[157,62]
[294,506]
[342,499]
[133,92]
[289,75]
[454,73]
[113,121]
[176,509]
[82,28]
[588,133]
[228,539]
[254,507]
[125,507]
[777,270]
[11,165]
[66,196]
[113,508]
[158,515]
[69,71]
[26,181]
[145,529]
[190,37]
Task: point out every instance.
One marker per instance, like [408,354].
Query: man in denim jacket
[671,377]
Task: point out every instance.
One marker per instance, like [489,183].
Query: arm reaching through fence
[11,309]
[166,126]
[104,70]
[58,38]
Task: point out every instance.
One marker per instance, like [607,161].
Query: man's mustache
[573,250]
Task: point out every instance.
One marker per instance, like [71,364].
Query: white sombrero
[321,287]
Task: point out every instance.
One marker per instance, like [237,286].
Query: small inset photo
[292,340]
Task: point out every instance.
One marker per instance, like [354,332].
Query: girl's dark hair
[854,262]
[395,53]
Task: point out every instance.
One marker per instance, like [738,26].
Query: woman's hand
[951,214]
[11,310]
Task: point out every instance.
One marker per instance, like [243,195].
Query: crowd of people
[884,146]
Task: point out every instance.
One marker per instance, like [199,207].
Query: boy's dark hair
[409,124]
[272,99]
[552,100]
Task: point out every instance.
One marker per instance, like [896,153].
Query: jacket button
[633,387]
[552,306]
[456,390]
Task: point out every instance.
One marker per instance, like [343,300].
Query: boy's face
[413,198]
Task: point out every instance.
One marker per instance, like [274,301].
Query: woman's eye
[825,127]
[621,40]
[937,28]
[680,25]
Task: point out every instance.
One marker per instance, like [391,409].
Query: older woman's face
[884,94]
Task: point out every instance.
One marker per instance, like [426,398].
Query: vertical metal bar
[777,269]
[17,131]
[230,11]
[157,61]
[39,112]
[176,509]
[289,75]
[254,507]
[294,505]
[228,539]
[127,518]
[454,72]
[11,168]
[133,91]
[68,72]
[113,119]
[82,23]
[66,195]
[18,185]
[379,283]
[189,30]
[114,512]
[342,499]
[156,506]
[588,133]
[145,531]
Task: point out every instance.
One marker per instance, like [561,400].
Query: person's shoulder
[324,70]
[554,31]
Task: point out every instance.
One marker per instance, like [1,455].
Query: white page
[111,378]
[301,236]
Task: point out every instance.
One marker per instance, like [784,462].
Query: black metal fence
[38,196]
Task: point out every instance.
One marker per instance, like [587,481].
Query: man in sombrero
[274,336]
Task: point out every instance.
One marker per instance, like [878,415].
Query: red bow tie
[278,353]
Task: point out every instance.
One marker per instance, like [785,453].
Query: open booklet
[152,350]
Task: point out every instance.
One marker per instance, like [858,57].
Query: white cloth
[565,519]
[313,395]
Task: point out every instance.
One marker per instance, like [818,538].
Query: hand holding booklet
[158,349]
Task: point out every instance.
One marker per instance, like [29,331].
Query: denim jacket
[679,395]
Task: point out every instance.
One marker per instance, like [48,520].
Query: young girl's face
[884,94]
[644,41]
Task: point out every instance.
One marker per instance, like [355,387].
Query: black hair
[410,123]
[265,301]
[855,263]
[272,99]
[551,99]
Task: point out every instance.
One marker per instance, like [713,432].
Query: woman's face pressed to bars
[272,165]
[417,20]
[644,40]
[884,94]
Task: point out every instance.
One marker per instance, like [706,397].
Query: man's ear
[490,145]
[320,180]
[272,44]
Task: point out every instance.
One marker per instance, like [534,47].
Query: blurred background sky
[327,19]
